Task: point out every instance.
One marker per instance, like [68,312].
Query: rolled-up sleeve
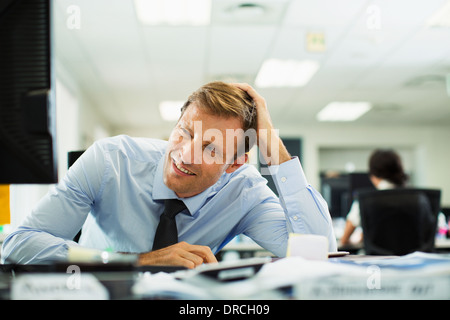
[305,209]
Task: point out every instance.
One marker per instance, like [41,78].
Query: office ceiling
[396,62]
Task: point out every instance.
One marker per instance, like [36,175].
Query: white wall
[355,159]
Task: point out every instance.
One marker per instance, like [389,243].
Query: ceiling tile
[125,69]
[238,50]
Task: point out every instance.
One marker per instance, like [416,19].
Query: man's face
[199,151]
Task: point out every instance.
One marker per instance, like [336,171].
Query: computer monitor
[358,181]
[340,191]
[27,96]
[334,189]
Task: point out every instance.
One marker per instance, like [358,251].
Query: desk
[118,279]
[416,276]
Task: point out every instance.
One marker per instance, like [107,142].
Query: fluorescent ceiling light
[170,110]
[286,73]
[441,18]
[174,12]
[343,111]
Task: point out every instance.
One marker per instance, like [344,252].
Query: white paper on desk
[163,285]
[308,246]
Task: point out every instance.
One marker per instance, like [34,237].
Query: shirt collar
[162,192]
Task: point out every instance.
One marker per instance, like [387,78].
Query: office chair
[399,221]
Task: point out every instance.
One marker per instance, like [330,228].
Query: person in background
[385,172]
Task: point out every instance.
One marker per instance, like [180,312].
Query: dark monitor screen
[335,192]
[27,108]
[340,191]
[358,181]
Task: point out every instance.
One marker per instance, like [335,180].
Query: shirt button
[295,218]
[283,179]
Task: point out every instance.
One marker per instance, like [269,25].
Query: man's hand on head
[273,149]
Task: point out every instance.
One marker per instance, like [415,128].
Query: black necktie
[166,233]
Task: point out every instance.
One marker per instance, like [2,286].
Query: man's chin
[178,187]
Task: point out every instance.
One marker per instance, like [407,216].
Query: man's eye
[211,149]
[184,132]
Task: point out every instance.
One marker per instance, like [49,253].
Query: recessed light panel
[174,12]
[343,111]
[286,73]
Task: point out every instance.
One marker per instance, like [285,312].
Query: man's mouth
[182,169]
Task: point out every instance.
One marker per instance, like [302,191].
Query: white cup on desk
[308,246]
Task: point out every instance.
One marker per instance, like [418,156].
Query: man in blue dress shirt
[116,190]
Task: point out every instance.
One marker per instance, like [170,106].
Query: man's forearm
[27,246]
[306,210]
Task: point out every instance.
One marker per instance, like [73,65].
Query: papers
[208,281]
[410,261]
[415,276]
[166,286]
[228,270]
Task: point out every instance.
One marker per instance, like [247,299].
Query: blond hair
[225,100]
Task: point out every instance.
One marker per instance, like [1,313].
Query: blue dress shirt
[115,192]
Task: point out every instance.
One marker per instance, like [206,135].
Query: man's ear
[237,163]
